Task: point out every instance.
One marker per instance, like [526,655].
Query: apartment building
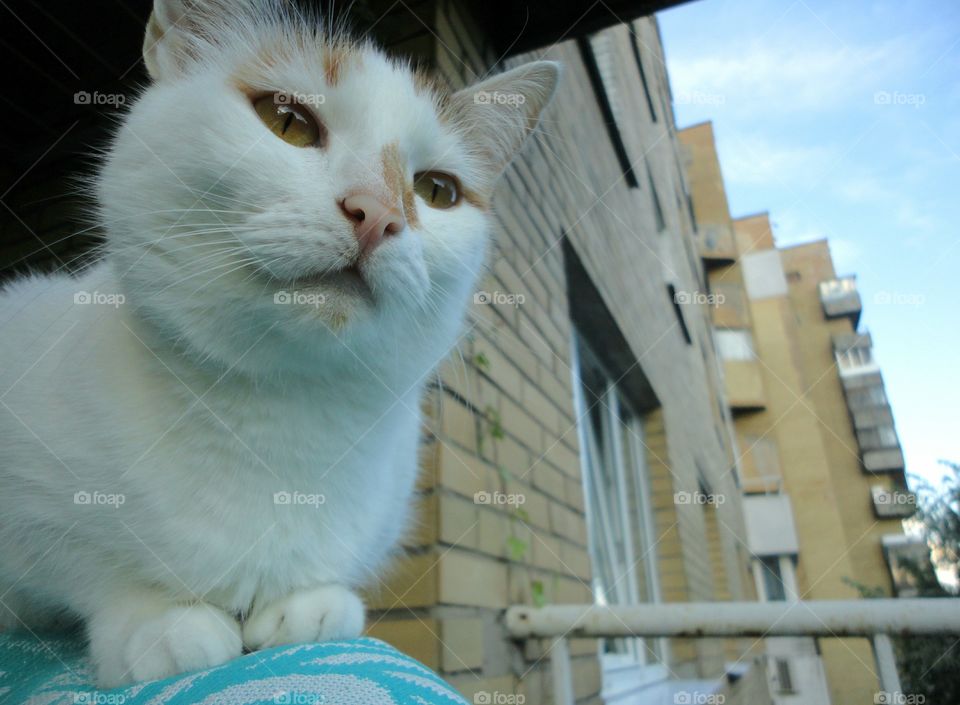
[822,470]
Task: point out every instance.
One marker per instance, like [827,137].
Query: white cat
[210,437]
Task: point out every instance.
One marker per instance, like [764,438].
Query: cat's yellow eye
[438,189]
[290,122]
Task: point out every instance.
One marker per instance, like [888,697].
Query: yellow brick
[463,472]
[494,530]
[546,552]
[462,646]
[537,508]
[411,582]
[573,591]
[414,637]
[459,521]
[575,559]
[563,458]
[468,579]
[573,490]
[517,423]
[512,456]
[551,481]
[458,423]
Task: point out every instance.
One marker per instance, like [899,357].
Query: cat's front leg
[144,636]
[323,613]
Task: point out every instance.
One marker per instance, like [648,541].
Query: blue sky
[843,121]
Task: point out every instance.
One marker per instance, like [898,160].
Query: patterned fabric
[55,671]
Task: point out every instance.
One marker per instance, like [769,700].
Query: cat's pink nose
[372,219]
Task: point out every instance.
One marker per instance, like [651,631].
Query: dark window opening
[595,323]
[784,679]
[772,579]
[693,217]
[596,82]
[657,208]
[674,299]
[643,74]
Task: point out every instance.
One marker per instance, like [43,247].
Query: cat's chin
[335,297]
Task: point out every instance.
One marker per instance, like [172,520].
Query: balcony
[729,307]
[854,354]
[770,527]
[840,299]
[880,449]
[876,619]
[905,555]
[743,383]
[893,503]
[717,245]
[872,420]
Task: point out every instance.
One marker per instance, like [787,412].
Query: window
[838,287]
[878,437]
[734,344]
[867,396]
[678,312]
[603,101]
[657,209]
[638,56]
[617,494]
[761,465]
[855,360]
[773,588]
[784,679]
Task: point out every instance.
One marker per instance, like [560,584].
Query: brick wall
[502,416]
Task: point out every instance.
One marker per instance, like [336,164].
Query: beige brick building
[823,474]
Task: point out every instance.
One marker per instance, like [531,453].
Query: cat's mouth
[349,281]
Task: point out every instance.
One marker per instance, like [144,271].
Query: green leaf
[537,593]
[481,361]
[518,548]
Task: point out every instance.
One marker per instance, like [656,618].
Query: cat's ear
[497,114]
[175,31]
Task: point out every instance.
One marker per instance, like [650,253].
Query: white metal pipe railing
[876,620]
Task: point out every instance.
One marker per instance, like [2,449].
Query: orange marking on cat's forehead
[337,58]
[394,176]
[392,169]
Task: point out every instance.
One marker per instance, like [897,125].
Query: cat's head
[278,182]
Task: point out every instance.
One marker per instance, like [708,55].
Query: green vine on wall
[490,424]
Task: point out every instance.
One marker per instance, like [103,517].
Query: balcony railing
[840,298]
[717,244]
[876,620]
[890,504]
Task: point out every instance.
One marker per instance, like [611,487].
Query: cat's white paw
[324,613]
[177,640]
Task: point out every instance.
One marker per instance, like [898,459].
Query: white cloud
[790,77]
[754,160]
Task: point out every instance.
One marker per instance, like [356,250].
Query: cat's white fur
[150,437]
